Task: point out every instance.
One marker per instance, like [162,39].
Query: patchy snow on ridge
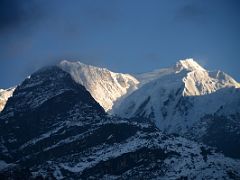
[105,86]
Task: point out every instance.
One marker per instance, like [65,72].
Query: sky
[129,36]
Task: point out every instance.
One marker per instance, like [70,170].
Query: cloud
[153,56]
[190,12]
[15,13]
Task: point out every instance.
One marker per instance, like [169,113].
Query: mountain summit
[104,85]
[188,64]
[176,98]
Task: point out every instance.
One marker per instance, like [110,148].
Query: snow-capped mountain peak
[110,89]
[105,86]
[175,100]
[189,65]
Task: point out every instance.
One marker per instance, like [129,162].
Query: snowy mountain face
[177,99]
[105,86]
[4,95]
[53,128]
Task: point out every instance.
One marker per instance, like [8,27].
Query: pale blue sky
[129,36]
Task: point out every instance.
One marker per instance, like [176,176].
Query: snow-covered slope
[105,86]
[4,95]
[188,64]
[180,96]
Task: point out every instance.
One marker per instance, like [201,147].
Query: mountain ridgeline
[57,126]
